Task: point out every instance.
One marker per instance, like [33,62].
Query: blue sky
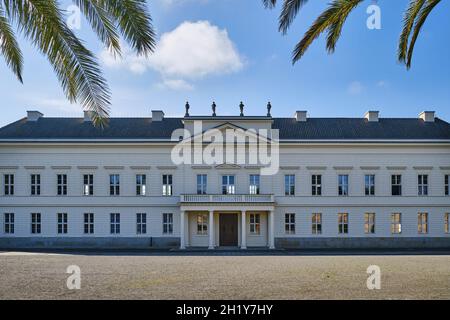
[230,50]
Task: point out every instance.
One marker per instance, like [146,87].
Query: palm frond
[288,13]
[333,19]
[9,47]
[420,20]
[408,22]
[269,3]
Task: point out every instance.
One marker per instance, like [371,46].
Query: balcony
[227,198]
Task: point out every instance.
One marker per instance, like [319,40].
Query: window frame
[61,184]
[254,184]
[316,185]
[35,184]
[289,185]
[228,186]
[167,185]
[114,184]
[446,184]
[36,223]
[396,182]
[343,223]
[8,184]
[62,223]
[369,185]
[289,223]
[167,223]
[447,222]
[396,223]
[369,223]
[88,184]
[114,223]
[343,185]
[254,224]
[422,223]
[88,223]
[8,223]
[422,185]
[141,184]
[141,223]
[202,224]
[316,223]
[202,183]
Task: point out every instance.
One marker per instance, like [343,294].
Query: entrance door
[228,232]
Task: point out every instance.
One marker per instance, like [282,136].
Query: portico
[228,222]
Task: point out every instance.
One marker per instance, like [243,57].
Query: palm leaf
[288,13]
[9,47]
[270,3]
[408,22]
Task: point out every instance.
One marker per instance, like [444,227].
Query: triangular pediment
[227,166]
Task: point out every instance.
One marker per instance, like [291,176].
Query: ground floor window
[343,223]
[289,223]
[115,223]
[396,223]
[141,223]
[88,223]
[167,223]
[62,223]
[9,223]
[446,222]
[316,223]
[422,222]
[255,223]
[202,224]
[35,223]
[369,224]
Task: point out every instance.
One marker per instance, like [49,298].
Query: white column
[271,230]
[182,231]
[211,230]
[243,231]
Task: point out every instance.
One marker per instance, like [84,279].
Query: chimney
[372,116]
[34,115]
[87,116]
[427,116]
[157,115]
[301,116]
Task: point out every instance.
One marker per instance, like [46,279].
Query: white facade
[195,220]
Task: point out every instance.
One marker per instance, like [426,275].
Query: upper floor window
[422,222]
[35,184]
[9,223]
[88,184]
[369,223]
[255,223]
[446,185]
[446,222]
[62,223]
[88,223]
[254,183]
[202,183]
[114,184]
[422,180]
[316,181]
[167,223]
[396,223]
[289,185]
[289,223]
[343,185]
[202,224]
[396,184]
[228,184]
[316,223]
[343,223]
[167,185]
[61,184]
[35,223]
[141,223]
[9,184]
[141,184]
[369,184]
[115,223]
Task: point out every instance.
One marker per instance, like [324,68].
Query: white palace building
[366,182]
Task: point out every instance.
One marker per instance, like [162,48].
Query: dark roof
[312,129]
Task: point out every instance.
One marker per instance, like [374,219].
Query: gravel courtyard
[173,276]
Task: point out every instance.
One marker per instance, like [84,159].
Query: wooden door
[228,233]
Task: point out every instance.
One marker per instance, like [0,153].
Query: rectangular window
[9,184]
[369,223]
[167,223]
[255,223]
[141,223]
[114,184]
[62,223]
[35,223]
[316,223]
[396,223]
[202,224]
[88,184]
[289,223]
[35,184]
[396,182]
[343,185]
[422,222]
[61,184]
[343,223]
[254,183]
[422,182]
[9,223]
[141,184]
[446,222]
[289,185]
[316,182]
[167,185]
[202,183]
[369,184]
[115,223]
[88,223]
[228,185]
[446,185]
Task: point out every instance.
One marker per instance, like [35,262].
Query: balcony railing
[227,198]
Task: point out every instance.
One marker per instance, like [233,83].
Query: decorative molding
[225,166]
[253,167]
[396,168]
[343,168]
[34,167]
[289,167]
[87,167]
[167,167]
[369,168]
[9,167]
[140,167]
[61,167]
[445,168]
[316,167]
[423,168]
[199,167]
[113,167]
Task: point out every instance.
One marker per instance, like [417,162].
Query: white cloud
[176,84]
[191,51]
[355,88]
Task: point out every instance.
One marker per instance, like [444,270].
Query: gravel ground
[172,276]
